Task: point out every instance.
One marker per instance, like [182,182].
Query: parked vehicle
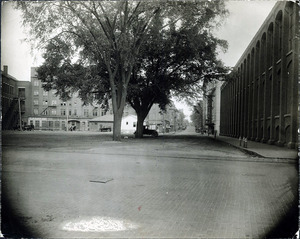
[147,131]
[106,129]
[24,127]
[28,127]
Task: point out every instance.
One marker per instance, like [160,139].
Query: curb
[254,154]
[244,150]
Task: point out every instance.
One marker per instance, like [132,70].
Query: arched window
[252,62]
[291,24]
[262,97]
[277,92]
[270,45]
[268,97]
[263,54]
[278,35]
[248,70]
[245,74]
[288,90]
[257,59]
[239,78]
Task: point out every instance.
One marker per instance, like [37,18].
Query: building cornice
[280,5]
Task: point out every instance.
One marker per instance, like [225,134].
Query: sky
[244,20]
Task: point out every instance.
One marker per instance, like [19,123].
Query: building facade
[16,100]
[169,120]
[260,102]
[27,103]
[211,106]
[49,112]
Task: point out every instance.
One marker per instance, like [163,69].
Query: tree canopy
[99,47]
[173,60]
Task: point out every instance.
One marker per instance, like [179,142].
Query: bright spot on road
[99,224]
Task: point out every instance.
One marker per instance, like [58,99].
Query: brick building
[260,101]
[165,121]
[16,100]
[44,110]
[211,106]
[49,112]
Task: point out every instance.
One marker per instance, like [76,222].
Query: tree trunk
[117,126]
[118,101]
[119,94]
[140,123]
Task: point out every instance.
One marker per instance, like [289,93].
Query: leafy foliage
[90,35]
[98,47]
[176,58]
[59,73]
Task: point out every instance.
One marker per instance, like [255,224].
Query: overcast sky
[244,20]
[240,27]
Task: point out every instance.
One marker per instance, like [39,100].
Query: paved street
[83,185]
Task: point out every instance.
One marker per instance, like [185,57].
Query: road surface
[83,185]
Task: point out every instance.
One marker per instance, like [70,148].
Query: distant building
[128,124]
[49,112]
[260,102]
[27,103]
[103,122]
[155,119]
[164,121]
[16,100]
[211,105]
[197,117]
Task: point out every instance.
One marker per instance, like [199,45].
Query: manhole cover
[101,180]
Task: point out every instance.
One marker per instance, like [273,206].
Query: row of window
[48,124]
[9,89]
[6,88]
[70,104]
[53,102]
[37,83]
[45,93]
[36,92]
[45,102]
[86,112]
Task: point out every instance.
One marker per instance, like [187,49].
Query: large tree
[176,57]
[93,46]
[93,35]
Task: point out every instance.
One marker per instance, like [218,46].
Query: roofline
[277,5]
[8,76]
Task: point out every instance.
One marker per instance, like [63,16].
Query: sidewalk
[262,150]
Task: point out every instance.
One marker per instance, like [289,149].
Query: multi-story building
[16,100]
[28,103]
[197,117]
[260,102]
[49,112]
[165,121]
[211,105]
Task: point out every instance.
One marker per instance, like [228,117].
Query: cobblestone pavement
[172,186]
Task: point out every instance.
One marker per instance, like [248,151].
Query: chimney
[5,70]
